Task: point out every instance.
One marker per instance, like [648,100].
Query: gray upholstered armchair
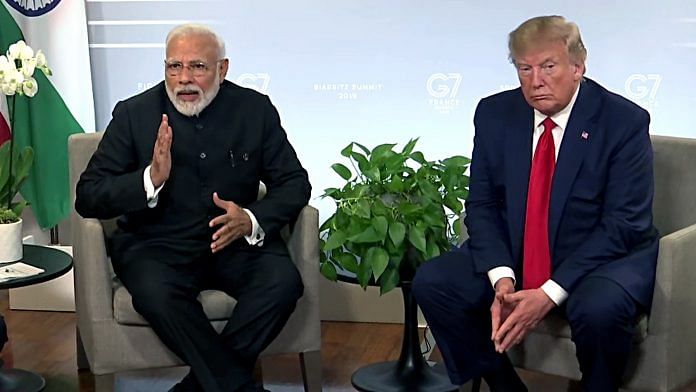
[112,337]
[664,356]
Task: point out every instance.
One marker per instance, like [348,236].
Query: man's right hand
[161,156]
[500,309]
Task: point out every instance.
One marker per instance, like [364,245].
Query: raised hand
[234,224]
[162,156]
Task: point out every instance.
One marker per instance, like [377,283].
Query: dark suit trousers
[456,303]
[266,287]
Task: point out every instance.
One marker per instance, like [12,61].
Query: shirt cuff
[497,273]
[150,190]
[554,291]
[257,234]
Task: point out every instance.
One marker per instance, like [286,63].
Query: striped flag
[63,105]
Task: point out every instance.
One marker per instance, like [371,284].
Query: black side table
[410,373]
[54,263]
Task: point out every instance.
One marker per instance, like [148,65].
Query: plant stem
[12,132]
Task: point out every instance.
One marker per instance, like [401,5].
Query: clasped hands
[234,223]
[514,314]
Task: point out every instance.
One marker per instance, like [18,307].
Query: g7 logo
[440,85]
[257,81]
[641,86]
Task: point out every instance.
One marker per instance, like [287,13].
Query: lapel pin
[584,135]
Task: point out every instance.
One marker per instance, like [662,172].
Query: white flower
[12,82]
[20,50]
[17,70]
[41,63]
[30,87]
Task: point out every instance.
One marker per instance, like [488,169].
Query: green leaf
[379,259]
[396,185]
[364,272]
[380,224]
[329,271]
[342,171]
[382,151]
[408,148]
[348,262]
[363,163]
[347,150]
[433,250]
[456,160]
[366,236]
[416,236]
[418,157]
[362,209]
[372,173]
[389,280]
[397,232]
[335,240]
[363,148]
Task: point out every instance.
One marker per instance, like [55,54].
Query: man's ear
[223,69]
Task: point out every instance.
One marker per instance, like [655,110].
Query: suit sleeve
[626,220]
[287,183]
[488,240]
[112,183]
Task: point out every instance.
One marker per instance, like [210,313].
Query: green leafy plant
[395,211]
[10,184]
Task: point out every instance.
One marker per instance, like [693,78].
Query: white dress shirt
[551,288]
[255,238]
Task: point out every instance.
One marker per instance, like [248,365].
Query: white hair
[197,29]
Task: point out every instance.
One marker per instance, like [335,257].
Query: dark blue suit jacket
[600,219]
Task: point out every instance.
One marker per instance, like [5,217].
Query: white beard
[194,108]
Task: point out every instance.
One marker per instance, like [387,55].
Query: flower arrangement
[17,68]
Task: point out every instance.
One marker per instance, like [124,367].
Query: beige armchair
[112,337]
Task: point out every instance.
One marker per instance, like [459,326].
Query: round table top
[54,262]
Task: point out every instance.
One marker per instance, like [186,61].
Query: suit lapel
[518,161]
[576,140]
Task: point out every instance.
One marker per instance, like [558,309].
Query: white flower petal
[28,66]
[30,87]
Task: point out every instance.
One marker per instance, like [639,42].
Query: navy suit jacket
[600,218]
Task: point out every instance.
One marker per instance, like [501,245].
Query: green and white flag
[63,105]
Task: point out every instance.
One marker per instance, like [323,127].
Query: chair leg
[104,383]
[310,362]
[476,384]
[258,373]
[82,362]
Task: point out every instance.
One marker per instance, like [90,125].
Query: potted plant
[16,82]
[396,211]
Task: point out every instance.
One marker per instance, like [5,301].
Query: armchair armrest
[303,245]
[674,305]
[93,281]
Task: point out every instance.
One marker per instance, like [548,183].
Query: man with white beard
[180,164]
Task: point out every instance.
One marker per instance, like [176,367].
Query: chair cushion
[216,304]
[555,325]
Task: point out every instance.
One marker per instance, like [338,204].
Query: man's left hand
[530,307]
[235,223]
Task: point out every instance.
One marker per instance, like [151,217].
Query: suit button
[199,126]
[202,155]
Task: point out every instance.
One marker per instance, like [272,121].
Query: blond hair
[543,30]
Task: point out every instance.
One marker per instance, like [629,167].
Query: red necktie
[537,255]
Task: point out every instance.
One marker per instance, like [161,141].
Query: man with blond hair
[181,164]
[559,220]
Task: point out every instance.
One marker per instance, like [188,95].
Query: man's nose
[537,77]
[186,75]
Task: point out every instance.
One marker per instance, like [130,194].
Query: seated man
[181,164]
[561,192]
